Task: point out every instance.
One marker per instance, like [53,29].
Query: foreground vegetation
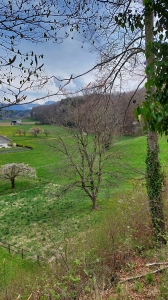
[91,248]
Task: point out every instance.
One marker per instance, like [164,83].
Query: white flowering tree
[36,130]
[11,171]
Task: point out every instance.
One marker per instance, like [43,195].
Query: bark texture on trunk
[13,183]
[153,167]
[154,187]
[94,202]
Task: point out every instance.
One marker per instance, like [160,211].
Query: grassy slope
[32,212]
[12,268]
[32,216]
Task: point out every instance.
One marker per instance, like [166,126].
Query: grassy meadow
[33,216]
[34,207]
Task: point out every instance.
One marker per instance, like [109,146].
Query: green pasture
[41,157]
[34,214]
[38,217]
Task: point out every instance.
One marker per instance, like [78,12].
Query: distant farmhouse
[16,122]
[4,141]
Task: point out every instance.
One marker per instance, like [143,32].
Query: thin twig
[143,275]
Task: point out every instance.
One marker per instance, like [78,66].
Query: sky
[63,60]
[60,60]
[22,22]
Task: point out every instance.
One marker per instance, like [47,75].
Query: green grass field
[32,211]
[33,217]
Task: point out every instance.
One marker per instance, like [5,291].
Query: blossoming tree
[11,171]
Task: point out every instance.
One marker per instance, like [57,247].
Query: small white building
[16,122]
[4,141]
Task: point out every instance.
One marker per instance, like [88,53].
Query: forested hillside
[118,110]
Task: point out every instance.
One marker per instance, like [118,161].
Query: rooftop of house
[5,137]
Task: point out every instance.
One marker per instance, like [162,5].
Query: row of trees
[34,131]
[14,114]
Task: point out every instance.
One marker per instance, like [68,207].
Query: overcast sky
[66,59]
[60,60]
[63,60]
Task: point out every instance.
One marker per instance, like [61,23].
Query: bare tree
[92,138]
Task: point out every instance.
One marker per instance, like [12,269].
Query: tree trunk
[13,183]
[94,202]
[154,187]
[153,168]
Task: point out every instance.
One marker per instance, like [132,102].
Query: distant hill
[21,110]
[49,102]
[25,107]
[118,109]
[18,107]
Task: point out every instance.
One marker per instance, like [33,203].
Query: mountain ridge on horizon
[26,106]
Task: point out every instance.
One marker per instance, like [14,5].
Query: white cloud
[62,61]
